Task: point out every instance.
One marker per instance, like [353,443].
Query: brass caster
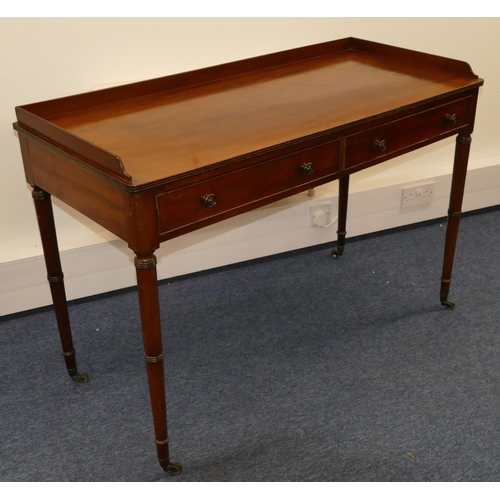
[449,304]
[78,377]
[337,252]
[174,468]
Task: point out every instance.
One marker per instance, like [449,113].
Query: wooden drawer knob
[380,145]
[451,119]
[209,200]
[306,168]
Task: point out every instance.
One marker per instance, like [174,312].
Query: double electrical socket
[417,195]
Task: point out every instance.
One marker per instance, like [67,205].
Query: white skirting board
[280,227]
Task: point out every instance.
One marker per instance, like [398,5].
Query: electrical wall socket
[320,215]
[417,195]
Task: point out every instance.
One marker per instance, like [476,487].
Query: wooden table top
[187,122]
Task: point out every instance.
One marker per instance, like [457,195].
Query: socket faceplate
[417,195]
[320,215]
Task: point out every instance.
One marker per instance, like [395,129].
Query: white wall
[43,58]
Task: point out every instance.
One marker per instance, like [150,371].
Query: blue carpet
[294,368]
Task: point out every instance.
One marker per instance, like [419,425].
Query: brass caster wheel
[449,304]
[79,377]
[174,468]
[337,252]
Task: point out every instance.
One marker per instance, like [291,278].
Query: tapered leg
[153,351]
[455,211]
[341,232]
[45,215]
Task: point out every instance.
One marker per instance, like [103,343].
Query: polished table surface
[152,160]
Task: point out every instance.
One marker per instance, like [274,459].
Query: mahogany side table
[153,160]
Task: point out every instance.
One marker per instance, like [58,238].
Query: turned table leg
[147,285]
[341,226]
[455,211]
[45,216]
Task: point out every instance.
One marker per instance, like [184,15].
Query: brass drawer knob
[209,200]
[451,119]
[307,168]
[380,145]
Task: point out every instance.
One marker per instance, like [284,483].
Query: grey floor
[294,368]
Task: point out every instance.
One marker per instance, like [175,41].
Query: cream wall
[43,58]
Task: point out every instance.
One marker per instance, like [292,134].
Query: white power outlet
[417,195]
[321,215]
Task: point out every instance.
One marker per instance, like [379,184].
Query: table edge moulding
[153,160]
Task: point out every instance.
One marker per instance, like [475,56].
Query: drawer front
[224,193]
[407,132]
